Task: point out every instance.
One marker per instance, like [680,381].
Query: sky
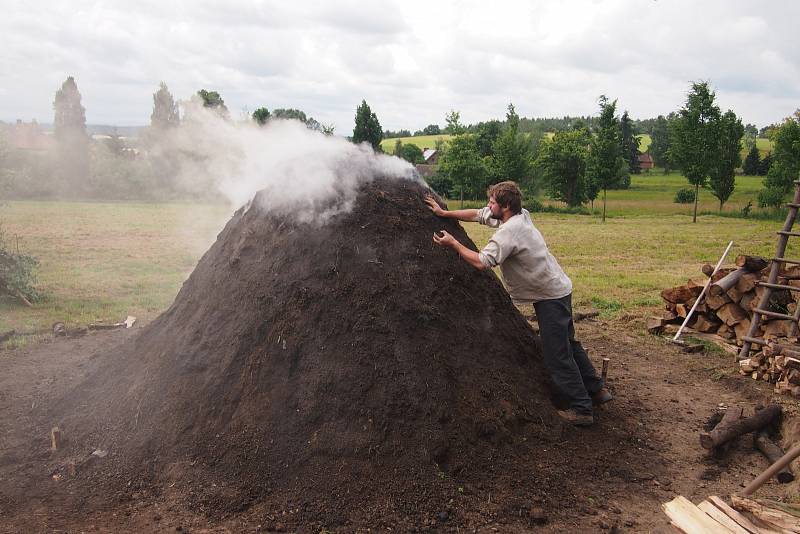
[411,61]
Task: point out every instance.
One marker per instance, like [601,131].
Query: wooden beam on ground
[777,519]
[757,421]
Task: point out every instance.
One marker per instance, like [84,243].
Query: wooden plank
[775,518]
[736,516]
[721,517]
[689,518]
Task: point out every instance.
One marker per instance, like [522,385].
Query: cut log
[774,518]
[752,264]
[707,269]
[682,309]
[790,272]
[732,415]
[757,421]
[719,275]
[717,301]
[748,302]
[731,314]
[726,331]
[741,328]
[655,325]
[778,328]
[680,294]
[747,282]
[724,284]
[670,317]
[734,294]
[704,324]
[773,453]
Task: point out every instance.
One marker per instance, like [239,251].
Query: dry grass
[103,261]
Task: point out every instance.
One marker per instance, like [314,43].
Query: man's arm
[470,256]
[468,215]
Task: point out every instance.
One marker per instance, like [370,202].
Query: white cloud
[412,61]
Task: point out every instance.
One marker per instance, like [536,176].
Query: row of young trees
[573,165]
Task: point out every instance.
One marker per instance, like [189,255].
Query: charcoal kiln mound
[351,369]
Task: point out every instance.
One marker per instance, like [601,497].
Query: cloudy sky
[412,61]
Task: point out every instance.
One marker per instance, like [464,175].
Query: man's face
[494,207]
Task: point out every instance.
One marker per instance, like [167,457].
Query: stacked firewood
[726,310]
[725,313]
[779,363]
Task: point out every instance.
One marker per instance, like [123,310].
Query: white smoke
[299,170]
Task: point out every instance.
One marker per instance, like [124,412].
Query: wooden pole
[604,373]
[757,421]
[785,460]
[702,293]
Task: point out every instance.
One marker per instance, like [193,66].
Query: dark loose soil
[342,377]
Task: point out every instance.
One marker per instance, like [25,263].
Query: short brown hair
[507,194]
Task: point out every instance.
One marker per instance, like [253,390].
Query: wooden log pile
[725,313]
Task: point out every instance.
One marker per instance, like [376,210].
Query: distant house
[646,161]
[29,136]
[431,156]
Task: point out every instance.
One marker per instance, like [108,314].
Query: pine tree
[629,143]
[367,128]
[752,161]
[165,109]
[70,115]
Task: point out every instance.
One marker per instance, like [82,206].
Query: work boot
[574,418]
[601,397]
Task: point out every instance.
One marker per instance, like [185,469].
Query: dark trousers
[572,373]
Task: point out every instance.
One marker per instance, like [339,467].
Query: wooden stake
[56,439]
[604,373]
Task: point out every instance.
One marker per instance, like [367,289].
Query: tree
[563,162]
[409,152]
[605,152]
[512,153]
[367,128]
[722,175]
[261,116]
[785,161]
[486,135]
[432,129]
[693,137]
[212,100]
[454,126]
[462,165]
[70,115]
[659,143]
[750,135]
[72,140]
[752,161]
[765,165]
[630,144]
[165,109]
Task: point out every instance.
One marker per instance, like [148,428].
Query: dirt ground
[666,394]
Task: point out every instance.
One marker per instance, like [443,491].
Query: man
[532,274]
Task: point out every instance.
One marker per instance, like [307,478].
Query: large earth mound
[351,371]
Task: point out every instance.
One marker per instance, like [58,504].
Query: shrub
[770,197]
[17,273]
[684,196]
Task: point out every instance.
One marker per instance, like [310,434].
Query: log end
[706,441]
[784,477]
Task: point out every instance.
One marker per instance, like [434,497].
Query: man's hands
[434,206]
[445,239]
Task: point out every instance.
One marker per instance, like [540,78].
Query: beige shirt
[530,272]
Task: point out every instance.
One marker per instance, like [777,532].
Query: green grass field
[422,141]
[429,141]
[103,261]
